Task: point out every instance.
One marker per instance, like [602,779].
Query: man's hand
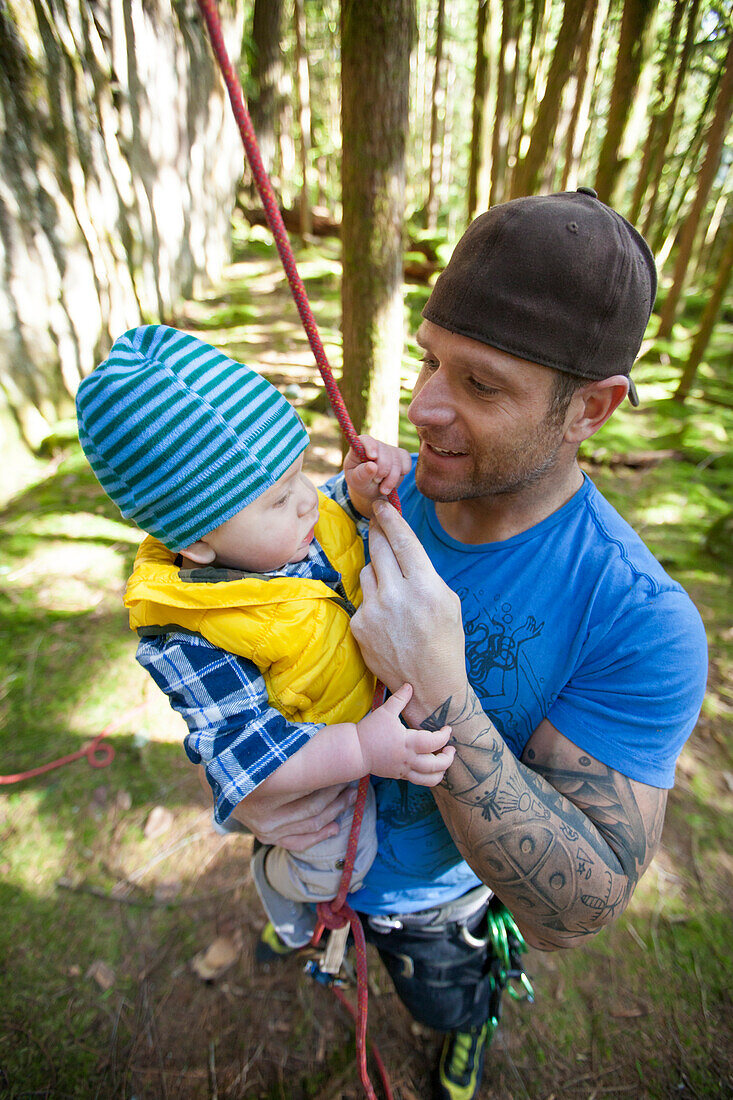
[393,751]
[298,823]
[409,626]
[378,476]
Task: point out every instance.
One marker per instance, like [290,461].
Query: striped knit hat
[180,436]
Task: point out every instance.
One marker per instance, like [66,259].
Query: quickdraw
[506,944]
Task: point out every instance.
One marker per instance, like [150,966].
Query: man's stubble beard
[516,472]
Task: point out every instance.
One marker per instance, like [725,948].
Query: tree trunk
[528,171]
[514,135]
[710,242]
[586,71]
[714,139]
[570,103]
[376,39]
[304,118]
[601,79]
[266,70]
[100,225]
[448,163]
[531,70]
[479,109]
[437,106]
[684,166]
[654,177]
[634,22]
[663,77]
[709,318]
[506,71]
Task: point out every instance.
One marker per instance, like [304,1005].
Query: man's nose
[432,402]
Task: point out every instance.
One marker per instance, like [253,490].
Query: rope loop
[99,754]
[331,918]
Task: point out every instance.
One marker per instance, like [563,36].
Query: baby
[243,594]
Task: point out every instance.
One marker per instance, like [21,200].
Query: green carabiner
[528,994]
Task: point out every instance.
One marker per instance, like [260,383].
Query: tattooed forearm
[561,838]
[460,708]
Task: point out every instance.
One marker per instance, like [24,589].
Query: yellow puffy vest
[296,630]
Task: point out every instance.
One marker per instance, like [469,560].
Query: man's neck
[500,517]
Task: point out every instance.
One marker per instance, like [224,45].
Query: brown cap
[560,280]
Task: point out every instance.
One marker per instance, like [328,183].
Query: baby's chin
[299,555]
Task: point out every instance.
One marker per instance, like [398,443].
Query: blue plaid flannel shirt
[232,729]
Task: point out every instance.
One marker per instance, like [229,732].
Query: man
[526,614]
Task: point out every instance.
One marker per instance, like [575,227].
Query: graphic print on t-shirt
[499,662]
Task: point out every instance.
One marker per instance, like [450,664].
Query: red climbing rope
[98,755]
[336,913]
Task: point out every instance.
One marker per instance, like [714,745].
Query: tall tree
[588,50]
[528,171]
[710,240]
[682,166]
[266,69]
[714,143]
[531,72]
[658,151]
[632,40]
[376,40]
[505,80]
[304,116]
[709,317]
[666,66]
[479,108]
[437,102]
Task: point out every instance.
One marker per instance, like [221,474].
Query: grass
[644,1010]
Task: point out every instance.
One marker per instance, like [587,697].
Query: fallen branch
[145,902]
[634,460]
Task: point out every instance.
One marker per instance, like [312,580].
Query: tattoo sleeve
[561,838]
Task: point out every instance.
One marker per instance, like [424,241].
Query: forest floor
[114,887]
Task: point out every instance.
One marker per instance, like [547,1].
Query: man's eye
[481,387]
[429,362]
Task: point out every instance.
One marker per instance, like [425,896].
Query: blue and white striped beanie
[180,436]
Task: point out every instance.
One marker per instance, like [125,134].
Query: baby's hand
[378,476]
[391,750]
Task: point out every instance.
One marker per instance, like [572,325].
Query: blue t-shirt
[573,620]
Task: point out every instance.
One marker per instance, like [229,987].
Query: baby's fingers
[432,761]
[393,474]
[428,741]
[365,476]
[428,771]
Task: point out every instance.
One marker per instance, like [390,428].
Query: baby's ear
[200,552]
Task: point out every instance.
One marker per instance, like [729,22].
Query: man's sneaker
[461,1066]
[270,946]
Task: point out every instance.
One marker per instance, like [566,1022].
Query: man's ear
[199,552]
[595,403]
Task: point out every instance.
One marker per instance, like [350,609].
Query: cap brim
[633,395]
